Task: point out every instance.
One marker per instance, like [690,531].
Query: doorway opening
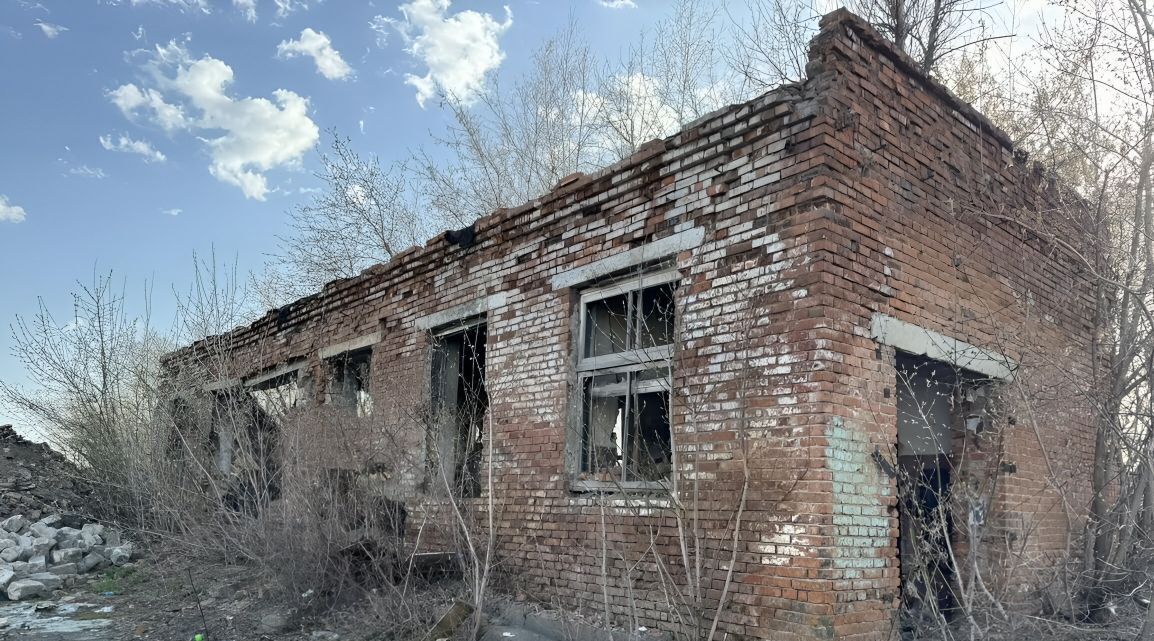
[938,406]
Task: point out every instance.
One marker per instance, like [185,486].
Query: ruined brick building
[733,328]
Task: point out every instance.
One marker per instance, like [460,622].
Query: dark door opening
[926,393]
[460,402]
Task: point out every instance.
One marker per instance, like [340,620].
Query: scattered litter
[508,634]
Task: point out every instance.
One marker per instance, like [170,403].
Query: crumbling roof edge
[843,17]
[839,18]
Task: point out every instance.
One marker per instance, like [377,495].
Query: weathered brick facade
[795,221]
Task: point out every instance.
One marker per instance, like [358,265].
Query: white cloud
[618,4]
[128,145]
[10,213]
[245,137]
[381,25]
[132,100]
[183,5]
[458,49]
[247,7]
[50,30]
[175,211]
[317,45]
[285,7]
[84,171]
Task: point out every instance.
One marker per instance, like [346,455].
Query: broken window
[460,402]
[277,396]
[624,374]
[348,385]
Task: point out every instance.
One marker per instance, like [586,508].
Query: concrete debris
[48,580]
[120,555]
[275,623]
[36,482]
[38,557]
[25,589]
[15,524]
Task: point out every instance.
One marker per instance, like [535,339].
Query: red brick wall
[810,225]
[917,231]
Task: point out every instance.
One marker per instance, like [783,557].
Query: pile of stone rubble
[35,480]
[52,553]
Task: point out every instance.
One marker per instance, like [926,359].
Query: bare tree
[928,30]
[364,215]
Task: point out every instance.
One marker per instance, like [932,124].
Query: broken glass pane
[607,326]
[605,409]
[656,323]
[650,446]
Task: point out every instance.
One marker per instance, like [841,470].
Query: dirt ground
[163,600]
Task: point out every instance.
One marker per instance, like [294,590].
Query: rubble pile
[39,557]
[36,481]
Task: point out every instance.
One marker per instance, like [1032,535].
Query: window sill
[619,487]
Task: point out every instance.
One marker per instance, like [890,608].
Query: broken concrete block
[91,562]
[52,521]
[41,546]
[274,623]
[64,568]
[89,539]
[111,538]
[20,568]
[43,531]
[6,577]
[69,555]
[119,555]
[25,589]
[15,553]
[37,564]
[67,537]
[48,580]
[95,529]
[15,524]
[6,543]
[75,521]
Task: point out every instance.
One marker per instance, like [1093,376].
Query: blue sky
[134,133]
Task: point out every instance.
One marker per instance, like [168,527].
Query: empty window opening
[349,382]
[247,423]
[460,403]
[936,405]
[278,396]
[625,378]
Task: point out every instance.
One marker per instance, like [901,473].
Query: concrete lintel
[924,342]
[350,345]
[222,384]
[461,312]
[656,250]
[276,372]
